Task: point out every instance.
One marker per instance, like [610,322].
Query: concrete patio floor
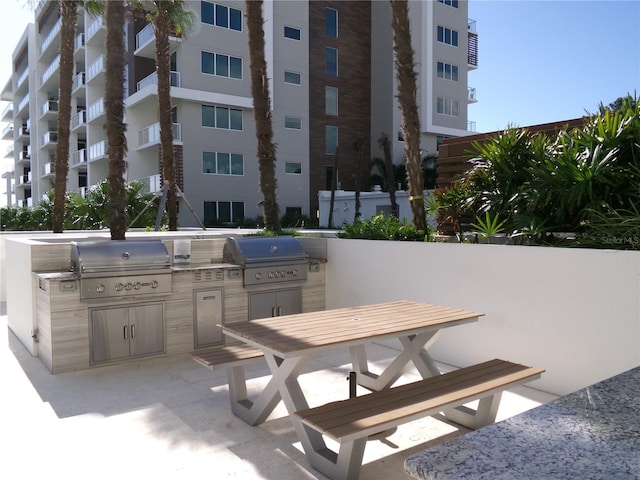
[170,418]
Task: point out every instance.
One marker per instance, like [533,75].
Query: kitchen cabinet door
[146,326]
[109,334]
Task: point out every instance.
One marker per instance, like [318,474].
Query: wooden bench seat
[228,356]
[351,421]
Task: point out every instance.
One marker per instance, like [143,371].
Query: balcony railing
[52,35]
[50,106]
[8,110]
[25,155]
[23,77]
[48,169]
[7,130]
[26,202]
[471,94]
[98,150]
[79,41]
[53,68]
[145,35]
[78,81]
[10,150]
[471,126]
[25,179]
[153,80]
[151,134]
[151,184]
[24,130]
[95,68]
[79,119]
[23,103]
[49,137]
[472,51]
[95,110]
[79,157]
[94,27]
[471,23]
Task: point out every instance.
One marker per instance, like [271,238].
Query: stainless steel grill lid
[263,250]
[115,257]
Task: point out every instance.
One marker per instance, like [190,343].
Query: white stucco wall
[574,312]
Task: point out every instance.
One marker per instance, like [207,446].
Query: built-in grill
[267,260]
[112,268]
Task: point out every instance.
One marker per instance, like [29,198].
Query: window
[449,72]
[221,65]
[221,16]
[331,101]
[447,106]
[451,3]
[294,123]
[331,22]
[292,33]
[292,78]
[294,168]
[331,139]
[331,61]
[294,211]
[448,36]
[219,163]
[221,117]
[217,213]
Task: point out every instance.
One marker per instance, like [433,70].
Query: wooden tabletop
[293,335]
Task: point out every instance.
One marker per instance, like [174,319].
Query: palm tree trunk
[406,75]
[162,24]
[68,13]
[262,114]
[114,105]
[384,143]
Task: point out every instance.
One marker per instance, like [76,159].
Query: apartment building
[332,82]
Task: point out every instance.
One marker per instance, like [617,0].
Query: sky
[538,61]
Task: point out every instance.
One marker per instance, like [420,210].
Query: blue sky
[542,61]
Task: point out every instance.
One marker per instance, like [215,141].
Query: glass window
[331,101]
[222,65]
[331,61]
[222,16]
[235,117]
[208,162]
[294,168]
[235,19]
[206,12]
[235,67]
[208,116]
[237,164]
[331,22]
[448,36]
[447,106]
[331,140]
[222,117]
[293,78]
[207,63]
[293,33]
[451,3]
[224,212]
[293,122]
[237,211]
[224,166]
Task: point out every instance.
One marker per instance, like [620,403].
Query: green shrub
[383,227]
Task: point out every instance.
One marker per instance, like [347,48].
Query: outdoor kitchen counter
[592,433]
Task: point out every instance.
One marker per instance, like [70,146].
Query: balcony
[79,158]
[471,126]
[7,113]
[23,103]
[24,179]
[22,78]
[24,130]
[96,69]
[79,43]
[96,31]
[153,80]
[52,40]
[10,151]
[25,202]
[78,82]
[49,109]
[98,151]
[471,95]
[24,156]
[150,136]
[472,52]
[48,170]
[50,72]
[151,184]
[50,138]
[7,132]
[145,42]
[79,120]
[95,110]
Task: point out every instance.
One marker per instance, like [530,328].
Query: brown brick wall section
[452,158]
[354,92]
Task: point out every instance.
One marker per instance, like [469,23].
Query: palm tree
[169,17]
[116,128]
[262,115]
[406,75]
[384,143]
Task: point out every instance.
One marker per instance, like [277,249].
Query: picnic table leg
[254,411]
[414,349]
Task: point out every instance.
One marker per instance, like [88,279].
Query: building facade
[331,78]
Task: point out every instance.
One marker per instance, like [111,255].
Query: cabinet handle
[273,312]
[125,332]
[133,331]
[279,311]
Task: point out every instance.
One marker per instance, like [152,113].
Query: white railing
[95,110]
[6,130]
[79,41]
[8,109]
[23,102]
[471,94]
[49,137]
[26,202]
[48,169]
[145,35]
[24,155]
[471,126]
[51,70]
[78,81]
[98,150]
[24,129]
[23,77]
[10,150]
[471,24]
[52,35]
[151,184]
[49,106]
[79,157]
[79,119]
[95,68]
[151,134]
[25,179]
[94,27]
[153,80]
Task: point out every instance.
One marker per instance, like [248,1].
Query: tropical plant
[169,17]
[383,227]
[406,76]
[114,106]
[262,114]
[489,226]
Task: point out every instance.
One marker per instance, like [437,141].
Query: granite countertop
[593,433]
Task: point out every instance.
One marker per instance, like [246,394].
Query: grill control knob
[258,276]
[283,274]
[128,286]
[154,284]
[100,288]
[119,287]
[137,285]
[294,272]
[270,275]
